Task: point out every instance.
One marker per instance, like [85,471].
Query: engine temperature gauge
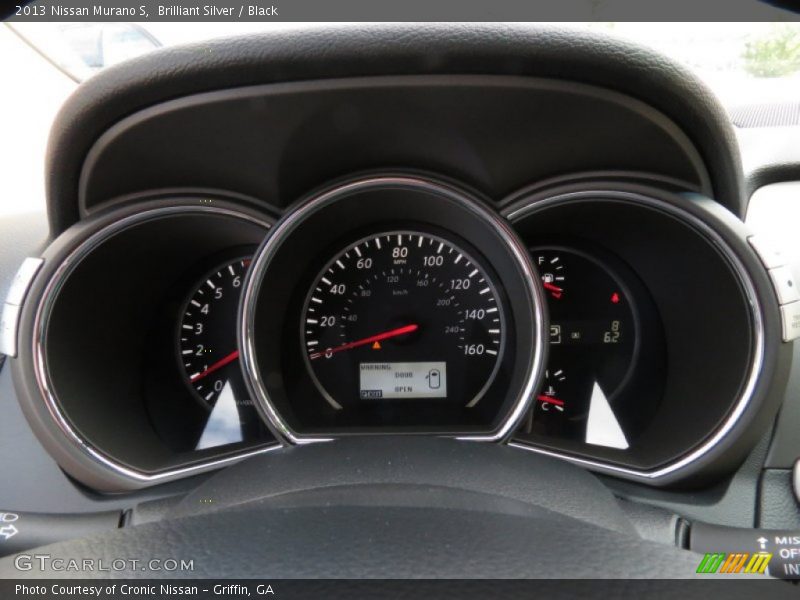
[549,398]
[559,408]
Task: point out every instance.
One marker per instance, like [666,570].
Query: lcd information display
[403,380]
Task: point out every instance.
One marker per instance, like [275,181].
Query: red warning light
[615,298]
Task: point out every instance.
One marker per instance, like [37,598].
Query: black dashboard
[508,238]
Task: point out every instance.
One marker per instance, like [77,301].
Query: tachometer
[209,360]
[207,337]
[402,316]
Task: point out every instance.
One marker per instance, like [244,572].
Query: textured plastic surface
[418,461]
[370,50]
[380,542]
[326,130]
[779,503]
[381,508]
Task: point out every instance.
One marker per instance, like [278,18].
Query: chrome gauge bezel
[293,221]
[708,225]
[72,449]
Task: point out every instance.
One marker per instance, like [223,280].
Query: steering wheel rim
[391,507]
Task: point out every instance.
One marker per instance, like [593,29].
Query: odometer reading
[402,316]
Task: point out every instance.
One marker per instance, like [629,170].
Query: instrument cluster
[571,322]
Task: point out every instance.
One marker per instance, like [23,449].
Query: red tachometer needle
[217,365]
[368,340]
[550,400]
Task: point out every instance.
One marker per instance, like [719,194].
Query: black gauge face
[207,335]
[402,317]
[209,357]
[593,336]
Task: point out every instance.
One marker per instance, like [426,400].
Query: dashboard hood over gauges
[692,138]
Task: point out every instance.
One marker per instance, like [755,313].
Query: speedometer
[392,305]
[402,316]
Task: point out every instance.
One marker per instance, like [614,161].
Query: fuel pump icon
[434,378]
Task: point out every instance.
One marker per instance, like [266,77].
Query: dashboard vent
[766,115]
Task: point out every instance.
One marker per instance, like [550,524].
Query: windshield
[744,63]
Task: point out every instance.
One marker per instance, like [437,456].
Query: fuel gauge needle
[554,289]
[216,366]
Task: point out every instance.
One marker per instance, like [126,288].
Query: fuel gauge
[553,273]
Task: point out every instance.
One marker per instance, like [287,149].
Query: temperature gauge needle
[216,366]
[368,340]
[550,400]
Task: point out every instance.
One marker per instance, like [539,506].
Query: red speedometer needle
[550,400]
[368,340]
[217,365]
